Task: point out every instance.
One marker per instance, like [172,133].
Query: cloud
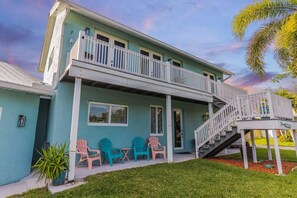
[249,81]
[14,34]
[226,48]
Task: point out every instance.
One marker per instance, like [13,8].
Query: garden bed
[260,166]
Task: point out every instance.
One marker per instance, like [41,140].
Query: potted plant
[53,164]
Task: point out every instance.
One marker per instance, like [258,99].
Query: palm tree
[279,27]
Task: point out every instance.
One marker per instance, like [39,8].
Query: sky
[201,28]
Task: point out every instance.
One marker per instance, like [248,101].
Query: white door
[211,77]
[115,56]
[178,132]
[150,63]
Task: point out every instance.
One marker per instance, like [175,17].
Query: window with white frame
[107,114]
[156,120]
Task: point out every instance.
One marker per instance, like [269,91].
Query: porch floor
[82,171]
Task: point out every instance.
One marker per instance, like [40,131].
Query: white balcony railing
[100,53]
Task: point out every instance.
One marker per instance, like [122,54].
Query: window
[107,114]
[176,63]
[156,120]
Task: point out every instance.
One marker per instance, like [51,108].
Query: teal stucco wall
[76,22]
[16,143]
[121,136]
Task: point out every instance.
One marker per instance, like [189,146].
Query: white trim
[109,114]
[210,74]
[151,52]
[111,37]
[169,129]
[40,89]
[156,124]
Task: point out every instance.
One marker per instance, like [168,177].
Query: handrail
[97,52]
[264,105]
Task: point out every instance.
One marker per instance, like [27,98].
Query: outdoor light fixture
[87,31]
[21,121]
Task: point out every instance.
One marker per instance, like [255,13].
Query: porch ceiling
[92,83]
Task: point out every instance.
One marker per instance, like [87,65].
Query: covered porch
[83,171]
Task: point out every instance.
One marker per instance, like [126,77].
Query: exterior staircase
[220,130]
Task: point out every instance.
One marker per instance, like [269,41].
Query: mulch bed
[260,166]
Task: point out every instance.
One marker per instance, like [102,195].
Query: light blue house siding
[76,22]
[121,136]
[16,143]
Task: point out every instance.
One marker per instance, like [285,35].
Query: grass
[195,178]
[286,155]
[262,142]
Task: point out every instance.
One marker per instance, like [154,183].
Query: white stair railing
[265,105]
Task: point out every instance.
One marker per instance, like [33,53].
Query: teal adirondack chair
[109,152]
[139,148]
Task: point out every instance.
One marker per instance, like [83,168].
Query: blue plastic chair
[139,148]
[109,152]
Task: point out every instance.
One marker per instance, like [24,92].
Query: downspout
[228,77]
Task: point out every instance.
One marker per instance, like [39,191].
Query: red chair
[156,147]
[86,154]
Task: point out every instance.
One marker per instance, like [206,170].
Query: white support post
[244,151]
[168,75]
[295,138]
[268,145]
[210,109]
[169,128]
[253,147]
[81,45]
[277,153]
[74,128]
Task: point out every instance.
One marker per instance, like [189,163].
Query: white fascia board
[35,89]
[266,125]
[86,12]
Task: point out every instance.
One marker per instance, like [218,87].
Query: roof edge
[91,14]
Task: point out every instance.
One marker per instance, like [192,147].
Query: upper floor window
[209,75]
[114,57]
[107,114]
[150,63]
[176,63]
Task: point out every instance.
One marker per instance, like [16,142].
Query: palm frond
[259,11]
[259,44]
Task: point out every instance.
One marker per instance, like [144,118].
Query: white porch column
[169,129]
[74,128]
[253,147]
[244,152]
[210,109]
[268,145]
[295,138]
[277,154]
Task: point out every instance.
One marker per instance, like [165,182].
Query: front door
[178,129]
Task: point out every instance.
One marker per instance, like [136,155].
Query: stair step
[229,131]
[223,135]
[205,147]
[211,144]
[217,140]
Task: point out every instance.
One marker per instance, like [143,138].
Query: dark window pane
[153,120]
[98,113]
[176,64]
[119,44]
[156,57]
[160,120]
[118,114]
[145,53]
[102,38]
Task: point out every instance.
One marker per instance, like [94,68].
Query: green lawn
[195,178]
[286,155]
[262,142]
